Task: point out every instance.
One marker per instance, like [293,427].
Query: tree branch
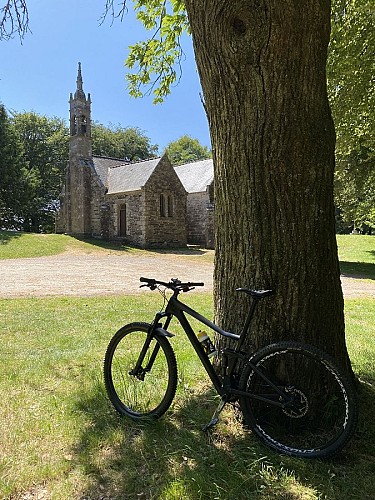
[109,10]
[14,18]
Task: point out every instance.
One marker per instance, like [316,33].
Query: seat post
[249,317]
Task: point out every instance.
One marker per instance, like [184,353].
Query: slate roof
[102,165]
[130,177]
[196,176]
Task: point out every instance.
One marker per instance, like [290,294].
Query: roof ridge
[109,158]
[147,159]
[193,161]
[124,161]
[132,163]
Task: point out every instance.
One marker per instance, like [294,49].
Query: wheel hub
[298,405]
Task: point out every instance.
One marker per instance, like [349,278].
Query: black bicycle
[292,395]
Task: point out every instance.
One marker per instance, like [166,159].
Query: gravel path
[112,274]
[98,274]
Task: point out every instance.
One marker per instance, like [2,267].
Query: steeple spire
[80,115]
[79,92]
[79,77]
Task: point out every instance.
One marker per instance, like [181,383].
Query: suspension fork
[138,371]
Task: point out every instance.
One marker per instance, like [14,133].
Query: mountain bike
[292,396]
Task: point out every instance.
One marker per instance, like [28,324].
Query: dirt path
[112,274]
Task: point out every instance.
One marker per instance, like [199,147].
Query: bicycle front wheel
[145,392]
[299,403]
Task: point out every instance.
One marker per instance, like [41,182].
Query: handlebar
[175,284]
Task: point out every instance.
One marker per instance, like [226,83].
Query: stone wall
[166,229]
[135,220]
[197,218]
[99,208]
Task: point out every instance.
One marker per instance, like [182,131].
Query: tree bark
[262,69]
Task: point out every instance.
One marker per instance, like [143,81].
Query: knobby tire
[322,408]
[148,395]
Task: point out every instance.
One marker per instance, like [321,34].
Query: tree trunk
[262,70]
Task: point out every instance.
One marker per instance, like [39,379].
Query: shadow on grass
[8,236]
[120,246]
[364,270]
[172,458]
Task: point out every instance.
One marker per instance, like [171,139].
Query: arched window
[83,125]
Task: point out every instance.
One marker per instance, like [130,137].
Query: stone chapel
[142,204]
[145,204]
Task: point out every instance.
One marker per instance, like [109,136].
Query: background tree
[186,149]
[34,156]
[128,143]
[355,190]
[350,73]
[13,178]
[45,154]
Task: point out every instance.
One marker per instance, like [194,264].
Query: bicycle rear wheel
[149,392]
[309,408]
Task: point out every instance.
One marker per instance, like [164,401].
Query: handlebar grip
[147,280]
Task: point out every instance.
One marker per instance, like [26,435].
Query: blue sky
[40,74]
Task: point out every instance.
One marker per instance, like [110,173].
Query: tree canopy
[155,65]
[128,143]
[185,150]
[14,19]
[45,154]
[350,72]
[13,173]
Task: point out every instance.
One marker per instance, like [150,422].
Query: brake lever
[149,285]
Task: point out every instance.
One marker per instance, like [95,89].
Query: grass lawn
[357,255]
[61,439]
[15,245]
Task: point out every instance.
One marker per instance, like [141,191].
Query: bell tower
[78,181]
[80,120]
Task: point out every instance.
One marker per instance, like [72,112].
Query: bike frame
[224,388]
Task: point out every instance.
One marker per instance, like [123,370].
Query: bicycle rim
[320,412]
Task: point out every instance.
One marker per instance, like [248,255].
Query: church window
[166,205]
[83,125]
[74,126]
[163,207]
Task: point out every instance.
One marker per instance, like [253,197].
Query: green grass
[61,438]
[357,255]
[16,245]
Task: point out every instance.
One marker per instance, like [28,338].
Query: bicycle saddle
[259,294]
